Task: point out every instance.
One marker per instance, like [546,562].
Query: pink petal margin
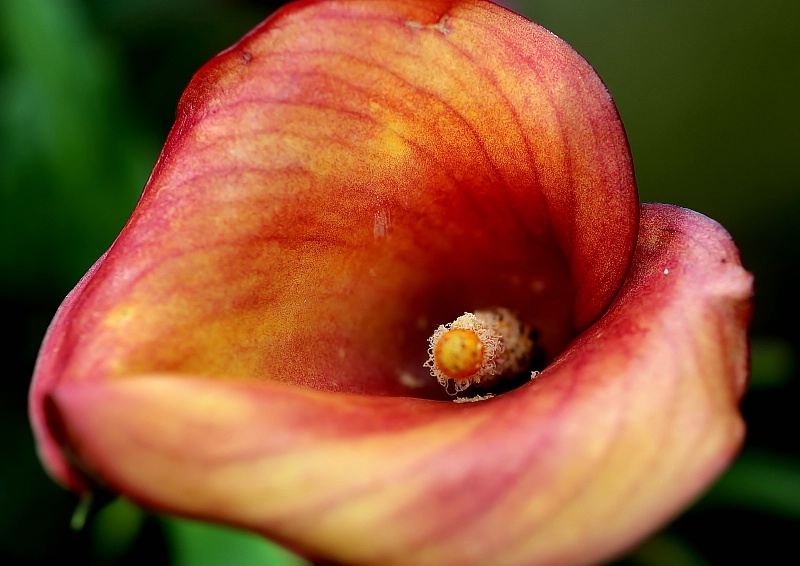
[628,425]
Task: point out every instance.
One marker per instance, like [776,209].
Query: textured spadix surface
[344,179]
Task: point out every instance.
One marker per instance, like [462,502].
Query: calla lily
[347,177]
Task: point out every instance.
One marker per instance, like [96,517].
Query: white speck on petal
[381,224]
[411,381]
[440,26]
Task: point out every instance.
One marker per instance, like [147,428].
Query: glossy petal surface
[347,177]
[626,426]
[344,179]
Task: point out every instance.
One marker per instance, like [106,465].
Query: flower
[349,176]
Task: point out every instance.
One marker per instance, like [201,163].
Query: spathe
[347,176]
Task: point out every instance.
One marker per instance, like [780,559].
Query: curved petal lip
[629,424]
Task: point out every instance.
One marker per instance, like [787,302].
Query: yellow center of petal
[458,353]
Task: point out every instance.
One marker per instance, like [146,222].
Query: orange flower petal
[341,181]
[618,434]
[344,179]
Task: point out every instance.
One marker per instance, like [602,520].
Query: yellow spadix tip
[479,348]
[458,353]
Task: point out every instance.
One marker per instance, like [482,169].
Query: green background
[708,93]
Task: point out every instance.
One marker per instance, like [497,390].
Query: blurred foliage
[200,544]
[88,89]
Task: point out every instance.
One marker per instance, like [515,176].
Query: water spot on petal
[407,379]
[382,224]
[440,26]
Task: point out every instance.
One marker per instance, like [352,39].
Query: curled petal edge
[627,426]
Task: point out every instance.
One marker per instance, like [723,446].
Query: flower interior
[318,211]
